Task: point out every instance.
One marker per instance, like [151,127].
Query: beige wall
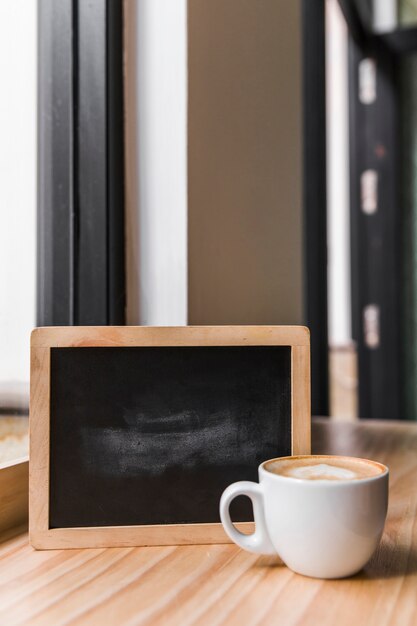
[244,162]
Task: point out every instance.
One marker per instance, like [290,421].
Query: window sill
[14,490]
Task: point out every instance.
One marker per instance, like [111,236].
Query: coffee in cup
[323,515]
[324,468]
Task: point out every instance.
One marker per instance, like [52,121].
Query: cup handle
[259,541]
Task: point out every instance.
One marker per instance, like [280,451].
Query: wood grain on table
[220,584]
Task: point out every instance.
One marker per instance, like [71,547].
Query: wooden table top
[220,584]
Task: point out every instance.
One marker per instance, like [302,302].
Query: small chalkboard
[136,431]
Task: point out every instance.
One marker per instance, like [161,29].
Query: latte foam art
[321,471]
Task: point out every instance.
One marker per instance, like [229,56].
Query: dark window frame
[377,240]
[315,199]
[80,264]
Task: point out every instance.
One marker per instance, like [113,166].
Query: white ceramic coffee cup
[319,528]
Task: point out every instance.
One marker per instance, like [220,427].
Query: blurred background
[171,162]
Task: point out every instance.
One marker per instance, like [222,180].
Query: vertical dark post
[91,157]
[315,198]
[55,267]
[81,164]
[115,163]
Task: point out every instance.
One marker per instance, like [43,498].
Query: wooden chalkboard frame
[44,339]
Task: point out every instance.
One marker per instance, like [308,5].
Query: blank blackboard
[153,435]
[135,431]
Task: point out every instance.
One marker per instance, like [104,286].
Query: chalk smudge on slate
[119,451]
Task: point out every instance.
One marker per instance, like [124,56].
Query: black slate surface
[152,435]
